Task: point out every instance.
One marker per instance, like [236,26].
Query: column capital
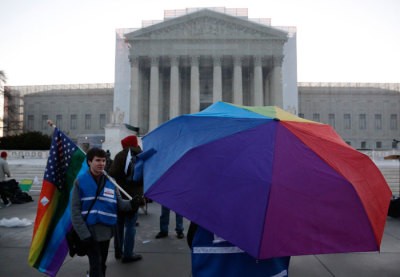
[217,60]
[277,60]
[134,60]
[194,60]
[258,60]
[154,60]
[174,60]
[237,60]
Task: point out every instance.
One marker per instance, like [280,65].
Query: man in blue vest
[213,256]
[94,218]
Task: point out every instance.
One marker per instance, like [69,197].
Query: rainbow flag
[53,219]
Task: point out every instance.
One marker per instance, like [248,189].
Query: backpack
[131,169]
[21,198]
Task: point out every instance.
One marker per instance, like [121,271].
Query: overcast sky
[73,41]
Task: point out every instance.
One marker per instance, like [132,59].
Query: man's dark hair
[95,152]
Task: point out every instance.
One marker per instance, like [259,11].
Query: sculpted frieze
[206,27]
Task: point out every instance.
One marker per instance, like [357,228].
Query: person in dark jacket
[214,256]
[122,169]
[109,161]
[95,227]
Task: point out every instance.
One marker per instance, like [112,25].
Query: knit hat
[129,141]
[3,154]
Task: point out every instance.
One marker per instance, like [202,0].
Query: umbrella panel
[223,186]
[356,167]
[312,209]
[175,137]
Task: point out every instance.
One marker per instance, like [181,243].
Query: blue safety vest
[104,210]
[213,256]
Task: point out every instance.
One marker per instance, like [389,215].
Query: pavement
[171,257]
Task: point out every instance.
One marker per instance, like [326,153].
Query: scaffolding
[238,12]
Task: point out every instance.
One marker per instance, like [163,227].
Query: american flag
[61,152]
[49,246]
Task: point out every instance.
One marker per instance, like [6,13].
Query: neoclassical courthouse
[195,57]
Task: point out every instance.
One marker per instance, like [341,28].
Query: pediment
[207,24]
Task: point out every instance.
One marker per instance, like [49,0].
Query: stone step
[391,175]
[20,172]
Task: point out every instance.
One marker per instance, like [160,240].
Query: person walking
[122,169]
[97,231]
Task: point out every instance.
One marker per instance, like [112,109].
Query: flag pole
[51,123]
[118,186]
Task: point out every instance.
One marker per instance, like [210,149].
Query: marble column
[276,82]
[237,81]
[258,82]
[174,104]
[194,85]
[154,93]
[134,99]
[217,79]
[267,95]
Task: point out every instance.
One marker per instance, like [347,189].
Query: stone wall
[27,154]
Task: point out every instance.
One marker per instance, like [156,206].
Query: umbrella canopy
[267,181]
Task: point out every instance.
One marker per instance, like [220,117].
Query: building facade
[78,110]
[365,115]
[196,57]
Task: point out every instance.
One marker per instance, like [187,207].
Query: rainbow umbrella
[267,181]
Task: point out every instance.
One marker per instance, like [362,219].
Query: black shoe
[162,235]
[137,224]
[180,235]
[134,258]
[118,255]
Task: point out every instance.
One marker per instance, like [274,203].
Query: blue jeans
[164,220]
[125,240]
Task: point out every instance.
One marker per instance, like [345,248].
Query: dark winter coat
[117,172]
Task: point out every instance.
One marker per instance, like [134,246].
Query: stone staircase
[391,175]
[20,172]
